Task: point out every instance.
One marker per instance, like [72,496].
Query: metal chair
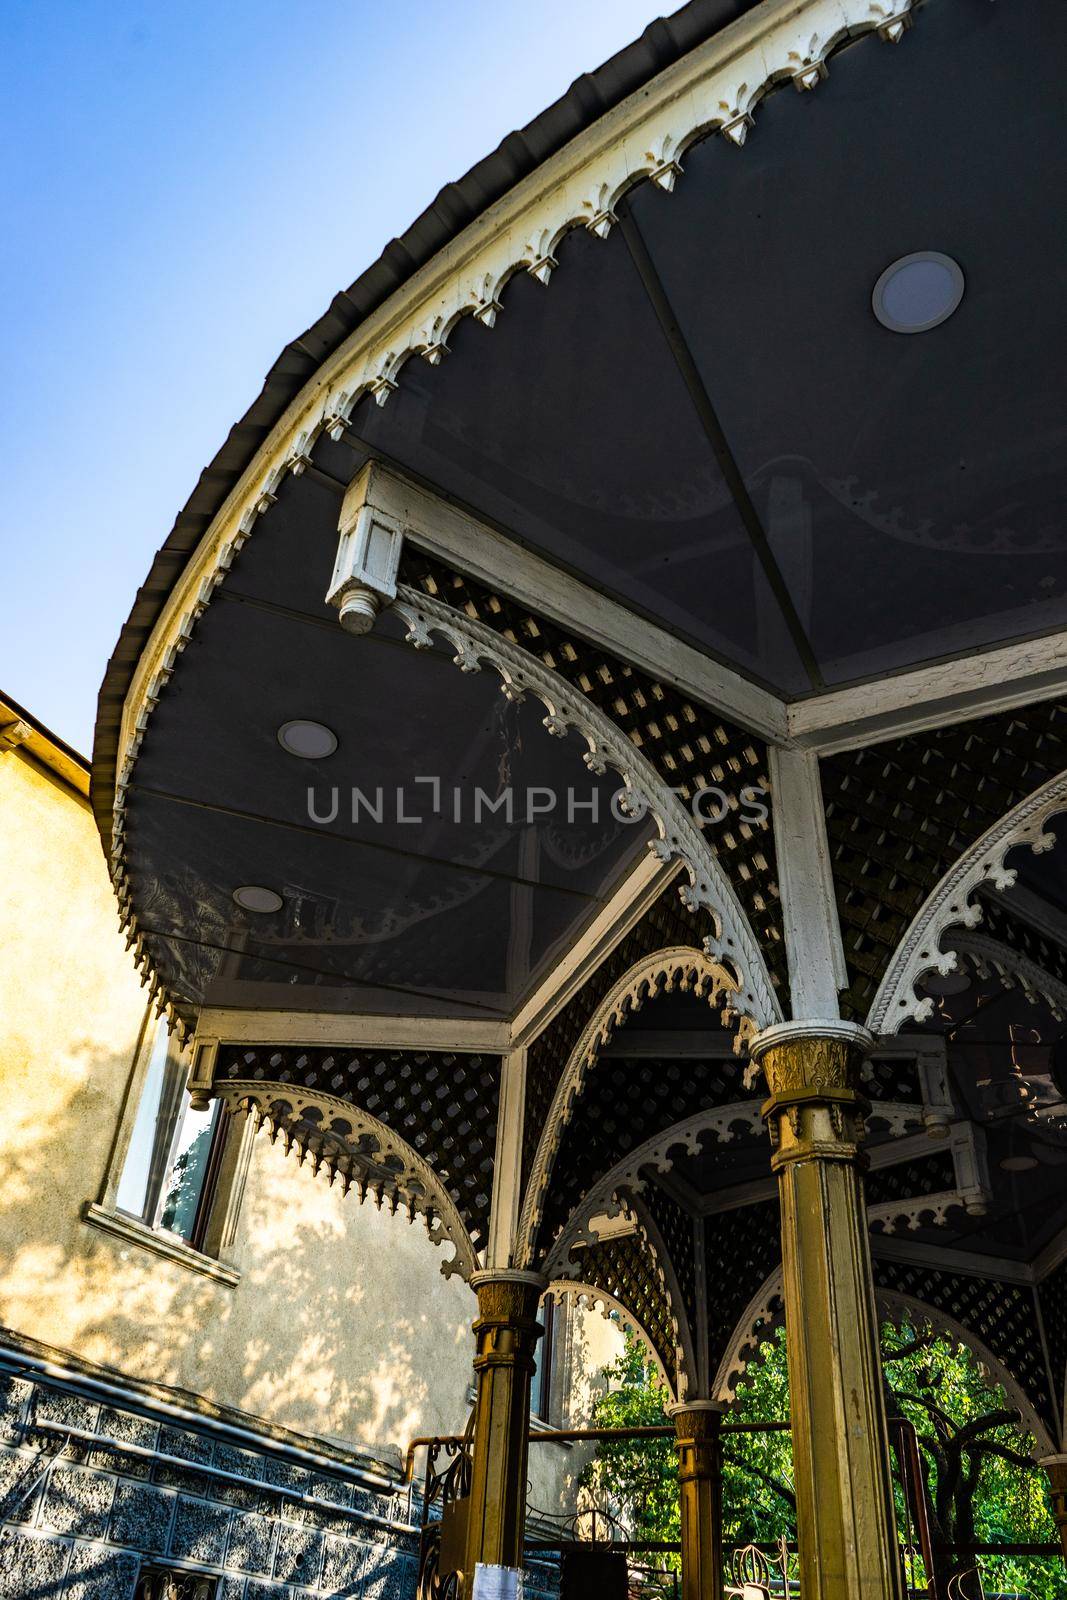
[966,1585]
[751,1574]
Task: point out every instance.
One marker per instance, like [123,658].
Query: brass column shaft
[846,1524]
[700,1501]
[506,1333]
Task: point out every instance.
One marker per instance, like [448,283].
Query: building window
[171,1170]
[172,1583]
[541,1386]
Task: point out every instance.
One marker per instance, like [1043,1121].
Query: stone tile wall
[78,1518]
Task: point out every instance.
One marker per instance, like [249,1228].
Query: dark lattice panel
[931,1174]
[626,1269]
[690,746]
[675,1227]
[443,1105]
[741,1250]
[665,923]
[624,1104]
[892,1079]
[1052,1294]
[1001,1315]
[899,814]
[998,923]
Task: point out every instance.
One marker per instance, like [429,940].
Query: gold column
[846,1526]
[506,1332]
[697,1424]
[1056,1467]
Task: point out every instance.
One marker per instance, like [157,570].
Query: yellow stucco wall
[341,1324]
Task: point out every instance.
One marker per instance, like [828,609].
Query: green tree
[984,1486]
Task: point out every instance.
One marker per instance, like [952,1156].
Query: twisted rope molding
[950,904]
[765,1314]
[677,969]
[715,88]
[357,1150]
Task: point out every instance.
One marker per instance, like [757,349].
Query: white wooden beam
[626,907]
[310,1028]
[816,959]
[928,697]
[472,546]
[507,1161]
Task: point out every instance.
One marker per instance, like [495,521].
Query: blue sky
[184,187]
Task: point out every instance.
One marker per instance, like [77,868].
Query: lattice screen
[443,1105]
[899,814]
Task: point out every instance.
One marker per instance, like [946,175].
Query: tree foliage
[984,1486]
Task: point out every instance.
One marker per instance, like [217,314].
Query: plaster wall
[341,1324]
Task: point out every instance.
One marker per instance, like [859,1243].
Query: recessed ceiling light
[253,897]
[917,292]
[310,740]
[1017,1164]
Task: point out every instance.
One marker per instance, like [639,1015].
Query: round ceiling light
[254,897]
[917,292]
[1017,1164]
[312,741]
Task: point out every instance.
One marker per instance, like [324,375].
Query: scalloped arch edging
[950,905]
[676,969]
[715,88]
[765,1314]
[414,1180]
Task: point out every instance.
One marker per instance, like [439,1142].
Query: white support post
[507,1164]
[814,953]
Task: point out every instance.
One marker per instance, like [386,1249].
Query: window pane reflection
[169,1156]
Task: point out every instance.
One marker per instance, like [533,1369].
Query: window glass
[166,1175]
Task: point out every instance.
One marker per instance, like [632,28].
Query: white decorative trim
[894,1307]
[131,1230]
[733,946]
[716,86]
[589,1298]
[640,889]
[721,1123]
[676,969]
[357,1150]
[997,962]
[950,905]
[765,1314]
[760,1320]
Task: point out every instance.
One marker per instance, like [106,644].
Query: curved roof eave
[456,206]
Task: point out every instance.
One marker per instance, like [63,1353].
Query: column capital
[828,1029]
[535,1280]
[679,1408]
[815,1108]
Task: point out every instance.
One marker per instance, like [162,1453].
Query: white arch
[994,960]
[677,968]
[599,1299]
[767,1309]
[950,905]
[362,1152]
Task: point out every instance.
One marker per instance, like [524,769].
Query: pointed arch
[612,1310]
[355,1149]
[679,969]
[951,904]
[765,1314]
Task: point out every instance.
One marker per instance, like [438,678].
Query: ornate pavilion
[713,428]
